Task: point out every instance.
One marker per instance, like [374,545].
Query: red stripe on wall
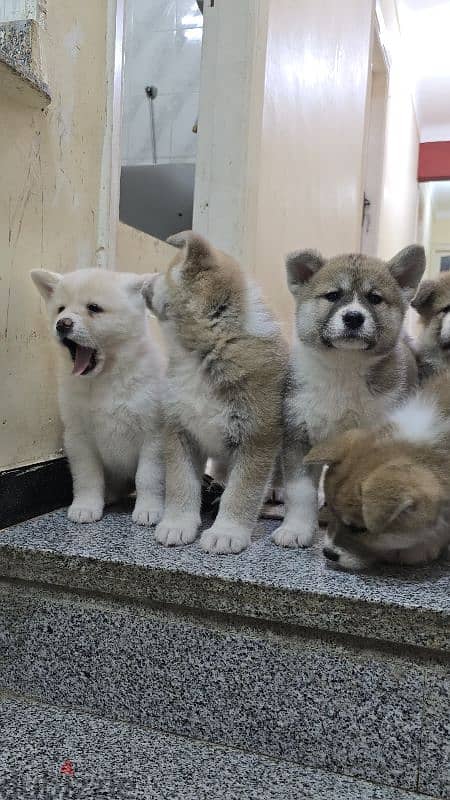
[434,161]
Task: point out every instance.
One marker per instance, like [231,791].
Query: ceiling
[425,28]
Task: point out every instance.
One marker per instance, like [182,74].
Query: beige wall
[138,252]
[229,126]
[49,206]
[287,85]
[310,169]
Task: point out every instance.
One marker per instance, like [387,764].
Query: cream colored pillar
[281,131]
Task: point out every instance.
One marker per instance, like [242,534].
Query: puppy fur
[432,302]
[350,362]
[226,371]
[388,490]
[110,397]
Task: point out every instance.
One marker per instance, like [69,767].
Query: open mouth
[351,341]
[84,358]
[445,345]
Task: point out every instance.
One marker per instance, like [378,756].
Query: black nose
[64,325]
[330,554]
[353,319]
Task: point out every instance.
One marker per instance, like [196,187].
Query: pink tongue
[82,359]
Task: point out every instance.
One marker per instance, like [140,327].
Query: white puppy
[109,390]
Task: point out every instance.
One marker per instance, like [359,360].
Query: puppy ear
[424,297]
[301,265]
[395,488]
[135,283]
[334,450]
[329,452]
[407,267]
[45,281]
[198,253]
[147,288]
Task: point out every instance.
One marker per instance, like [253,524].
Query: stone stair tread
[114,556]
[40,746]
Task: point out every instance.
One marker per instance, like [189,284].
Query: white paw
[144,514]
[177,531]
[300,536]
[81,511]
[225,538]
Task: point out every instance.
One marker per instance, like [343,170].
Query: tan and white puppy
[388,490]
[110,385]
[226,373]
[350,363]
[432,302]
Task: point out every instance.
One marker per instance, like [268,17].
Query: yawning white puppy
[109,390]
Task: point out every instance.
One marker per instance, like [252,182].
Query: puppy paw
[146,513]
[81,511]
[300,536]
[177,531]
[223,538]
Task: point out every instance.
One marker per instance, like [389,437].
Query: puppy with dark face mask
[350,363]
[432,302]
[388,489]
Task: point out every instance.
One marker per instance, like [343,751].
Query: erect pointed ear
[407,267]
[396,488]
[329,452]
[147,288]
[198,253]
[301,265]
[424,297]
[45,281]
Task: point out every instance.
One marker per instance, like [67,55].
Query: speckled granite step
[115,557]
[356,707]
[49,753]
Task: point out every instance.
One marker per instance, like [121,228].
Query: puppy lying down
[388,490]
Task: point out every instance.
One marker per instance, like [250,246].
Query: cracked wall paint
[50,165]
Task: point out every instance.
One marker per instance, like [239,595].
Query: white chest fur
[114,412]
[334,393]
[190,398]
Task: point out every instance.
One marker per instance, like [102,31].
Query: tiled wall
[163,42]
[14,10]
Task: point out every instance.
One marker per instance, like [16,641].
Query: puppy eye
[445,310]
[94,308]
[60,309]
[355,529]
[333,296]
[374,298]
[218,311]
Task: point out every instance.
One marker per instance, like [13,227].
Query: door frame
[108,220]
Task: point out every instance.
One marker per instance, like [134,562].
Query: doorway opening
[375,137]
[161,84]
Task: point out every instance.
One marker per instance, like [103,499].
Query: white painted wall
[374,160]
[425,219]
[400,193]
[425,25]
